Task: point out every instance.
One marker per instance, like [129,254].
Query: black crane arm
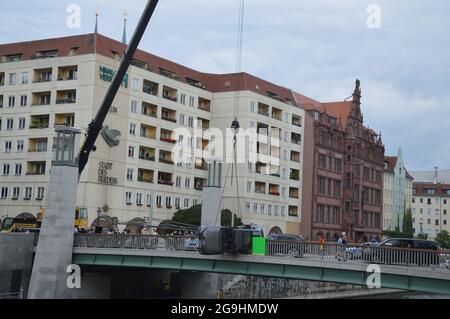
[97,124]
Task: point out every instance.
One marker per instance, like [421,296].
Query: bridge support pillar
[55,245]
[198,285]
[212,193]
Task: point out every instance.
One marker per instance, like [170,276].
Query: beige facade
[138,177]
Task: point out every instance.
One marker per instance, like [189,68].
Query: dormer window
[45,54]
[12,57]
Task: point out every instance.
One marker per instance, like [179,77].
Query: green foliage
[397,227]
[443,238]
[407,222]
[192,216]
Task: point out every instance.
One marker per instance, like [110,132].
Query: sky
[315,47]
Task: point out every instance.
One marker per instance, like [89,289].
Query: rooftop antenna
[125,19]
[435,174]
[96,20]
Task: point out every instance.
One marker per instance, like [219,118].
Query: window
[8,145]
[20,146]
[262,207]
[24,78]
[136,87]
[6,169]
[186,203]
[321,185]
[21,123]
[168,202]
[149,200]
[191,121]
[131,151]
[12,78]
[132,129]
[128,198]
[285,136]
[322,161]
[191,101]
[269,209]
[11,101]
[23,100]
[248,207]
[183,99]
[255,208]
[187,182]
[9,124]
[4,194]
[283,211]
[182,119]
[18,169]
[134,106]
[249,187]
[252,106]
[16,193]
[338,165]
[276,210]
[130,174]
[139,199]
[40,193]
[28,192]
[178,181]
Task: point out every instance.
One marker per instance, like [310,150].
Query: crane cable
[235,125]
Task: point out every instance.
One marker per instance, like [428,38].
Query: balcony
[293,211]
[204,104]
[201,164]
[274,189]
[45,54]
[37,145]
[145,176]
[169,115]
[261,168]
[195,83]
[165,157]
[203,123]
[140,64]
[148,131]
[199,183]
[41,98]
[294,175]
[263,109]
[66,97]
[296,120]
[166,136]
[165,178]
[151,88]
[295,156]
[277,114]
[39,121]
[169,74]
[36,168]
[262,129]
[42,75]
[293,192]
[296,138]
[170,93]
[65,119]
[146,153]
[67,73]
[260,187]
[149,109]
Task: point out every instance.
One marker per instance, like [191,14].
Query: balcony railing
[168,118]
[165,182]
[168,140]
[66,101]
[145,179]
[39,125]
[166,161]
[274,193]
[147,157]
[168,97]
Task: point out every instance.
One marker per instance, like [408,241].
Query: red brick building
[343,172]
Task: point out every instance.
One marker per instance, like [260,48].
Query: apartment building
[343,168]
[431,202]
[63,81]
[397,197]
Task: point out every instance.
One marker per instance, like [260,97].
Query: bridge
[405,269]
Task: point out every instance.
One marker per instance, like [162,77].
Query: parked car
[356,252]
[292,247]
[412,251]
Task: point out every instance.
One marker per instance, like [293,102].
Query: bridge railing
[133,242]
[356,252]
[310,250]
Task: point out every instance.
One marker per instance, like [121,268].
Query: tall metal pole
[96,125]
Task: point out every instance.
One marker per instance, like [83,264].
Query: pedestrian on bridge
[321,245]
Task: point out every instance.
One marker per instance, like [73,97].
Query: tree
[443,238]
[193,215]
[407,222]
[397,227]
